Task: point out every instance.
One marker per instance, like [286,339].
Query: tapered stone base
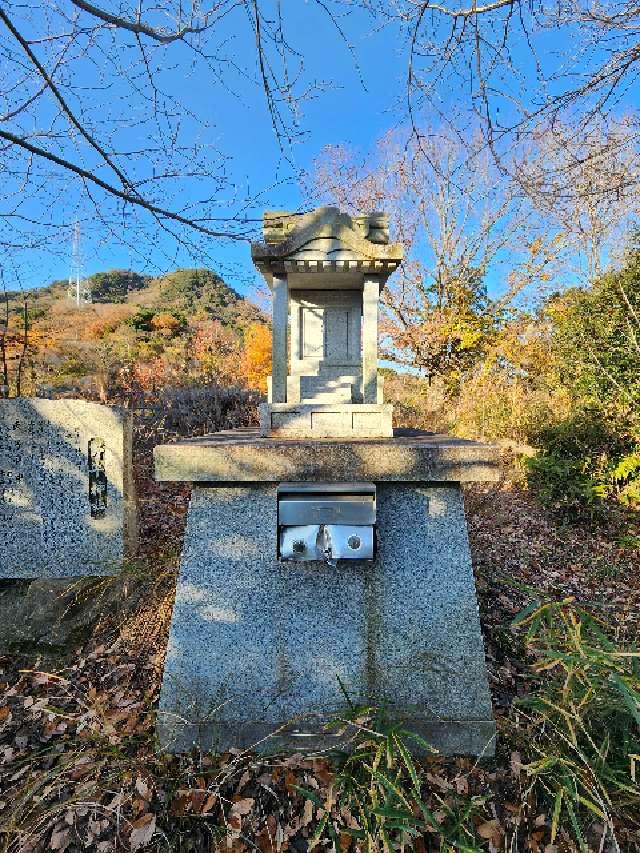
[326,420]
[261,652]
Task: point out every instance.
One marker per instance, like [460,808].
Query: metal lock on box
[326,521]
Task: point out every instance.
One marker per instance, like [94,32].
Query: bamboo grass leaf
[630,697]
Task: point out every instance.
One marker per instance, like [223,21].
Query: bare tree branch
[58,96]
[140,28]
[125,196]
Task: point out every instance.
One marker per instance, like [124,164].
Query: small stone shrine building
[325,553]
[326,271]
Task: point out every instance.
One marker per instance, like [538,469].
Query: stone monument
[67,507]
[324,554]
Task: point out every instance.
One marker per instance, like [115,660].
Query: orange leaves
[106,320]
[223,358]
[257,342]
[165,323]
[219,352]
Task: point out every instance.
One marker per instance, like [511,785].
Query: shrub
[588,456]
[166,323]
[583,734]
[141,320]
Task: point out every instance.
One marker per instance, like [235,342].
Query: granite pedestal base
[326,420]
[260,652]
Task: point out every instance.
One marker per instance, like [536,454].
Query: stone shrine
[324,553]
[326,271]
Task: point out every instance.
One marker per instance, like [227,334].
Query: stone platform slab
[260,651]
[244,456]
[46,526]
[326,420]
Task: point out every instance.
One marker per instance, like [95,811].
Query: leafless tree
[464,228]
[98,121]
[586,187]
[517,69]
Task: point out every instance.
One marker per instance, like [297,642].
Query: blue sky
[346,111]
[359,98]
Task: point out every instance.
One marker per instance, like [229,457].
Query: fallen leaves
[242,806]
[87,732]
[142,831]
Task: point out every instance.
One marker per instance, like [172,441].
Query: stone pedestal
[260,650]
[326,420]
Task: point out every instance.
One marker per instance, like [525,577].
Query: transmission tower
[76,266]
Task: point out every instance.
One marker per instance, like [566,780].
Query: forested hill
[185,325]
[189,291]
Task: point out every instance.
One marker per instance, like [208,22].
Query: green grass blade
[408,761]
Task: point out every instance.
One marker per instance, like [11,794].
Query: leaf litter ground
[79,766]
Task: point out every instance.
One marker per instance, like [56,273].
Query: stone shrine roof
[326,240]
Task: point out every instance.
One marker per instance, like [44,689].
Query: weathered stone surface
[46,525]
[257,644]
[325,241]
[325,325]
[326,351]
[326,420]
[370,297]
[241,456]
[53,617]
[278,384]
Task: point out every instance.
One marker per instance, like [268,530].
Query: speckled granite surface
[257,645]
[46,527]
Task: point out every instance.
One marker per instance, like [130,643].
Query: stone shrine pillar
[326,551]
[280,338]
[371,295]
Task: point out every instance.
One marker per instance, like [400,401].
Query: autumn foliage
[182,329]
[257,355]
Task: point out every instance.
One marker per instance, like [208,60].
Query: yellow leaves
[469,338]
[165,323]
[535,247]
[257,355]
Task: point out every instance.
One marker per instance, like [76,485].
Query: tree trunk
[25,343]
